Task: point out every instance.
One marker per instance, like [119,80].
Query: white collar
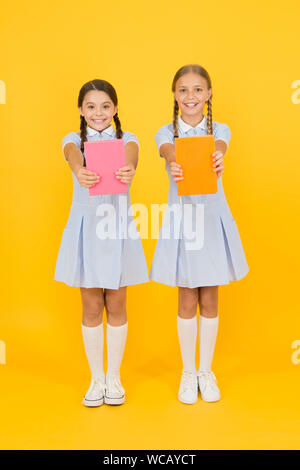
[186,127]
[109,130]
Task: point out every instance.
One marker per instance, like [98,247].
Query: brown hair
[192,68]
[100,85]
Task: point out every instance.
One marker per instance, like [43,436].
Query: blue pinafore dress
[221,258]
[86,259]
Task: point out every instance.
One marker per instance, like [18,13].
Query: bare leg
[92,306]
[115,304]
[208,301]
[187,302]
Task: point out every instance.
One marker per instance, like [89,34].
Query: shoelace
[115,382]
[98,383]
[188,379]
[209,377]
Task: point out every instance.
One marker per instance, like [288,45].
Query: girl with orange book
[197,273]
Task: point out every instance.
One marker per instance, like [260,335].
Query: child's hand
[125,174]
[218,163]
[87,178]
[176,171]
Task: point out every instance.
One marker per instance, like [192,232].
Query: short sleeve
[129,137]
[163,136]
[222,132]
[73,138]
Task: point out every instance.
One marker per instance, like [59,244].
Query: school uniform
[85,259]
[221,259]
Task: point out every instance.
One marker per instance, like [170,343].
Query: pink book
[105,157]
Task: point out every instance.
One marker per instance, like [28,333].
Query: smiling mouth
[98,120]
[190,105]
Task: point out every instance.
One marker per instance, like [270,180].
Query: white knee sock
[208,328]
[93,344]
[116,339]
[187,332]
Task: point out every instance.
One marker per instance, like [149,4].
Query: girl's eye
[90,106]
[197,89]
[106,106]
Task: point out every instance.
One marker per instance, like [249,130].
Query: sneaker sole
[211,401]
[92,403]
[188,402]
[114,401]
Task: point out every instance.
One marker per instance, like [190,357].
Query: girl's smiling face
[191,94]
[98,110]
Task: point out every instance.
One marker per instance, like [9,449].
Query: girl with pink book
[100,267]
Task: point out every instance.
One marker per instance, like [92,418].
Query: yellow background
[251,52]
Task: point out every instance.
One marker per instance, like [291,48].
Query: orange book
[194,154]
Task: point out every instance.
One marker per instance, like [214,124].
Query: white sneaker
[208,387]
[95,394]
[188,390]
[114,393]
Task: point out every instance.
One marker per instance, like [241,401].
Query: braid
[119,131]
[209,117]
[83,136]
[175,119]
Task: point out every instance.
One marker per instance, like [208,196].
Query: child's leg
[115,304]
[92,332]
[92,306]
[187,333]
[92,328]
[116,334]
[208,325]
[187,326]
[208,328]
